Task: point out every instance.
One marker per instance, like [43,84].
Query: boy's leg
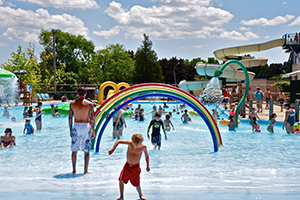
[121,186]
[74,158]
[140,193]
[86,161]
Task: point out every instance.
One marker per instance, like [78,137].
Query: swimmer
[155,136]
[7,140]
[14,119]
[185,117]
[28,127]
[167,123]
[255,125]
[6,113]
[231,123]
[272,123]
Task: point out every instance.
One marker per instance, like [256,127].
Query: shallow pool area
[248,165]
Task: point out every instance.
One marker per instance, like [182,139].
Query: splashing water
[212,92]
[8,90]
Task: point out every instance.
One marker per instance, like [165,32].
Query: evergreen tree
[147,68]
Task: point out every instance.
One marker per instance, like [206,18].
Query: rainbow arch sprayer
[136,92]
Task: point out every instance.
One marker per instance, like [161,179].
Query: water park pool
[248,165]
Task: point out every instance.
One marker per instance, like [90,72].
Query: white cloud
[198,46]
[265,22]
[168,21]
[1,2]
[267,37]
[9,4]
[244,28]
[27,24]
[295,22]
[284,2]
[4,44]
[107,34]
[185,2]
[83,4]
[234,35]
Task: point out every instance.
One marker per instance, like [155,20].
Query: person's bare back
[81,109]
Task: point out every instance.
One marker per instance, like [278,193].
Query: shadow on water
[68,175]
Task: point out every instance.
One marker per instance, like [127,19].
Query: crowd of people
[82,123]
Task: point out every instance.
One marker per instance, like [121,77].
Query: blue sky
[178,28]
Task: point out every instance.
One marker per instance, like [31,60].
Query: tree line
[77,62]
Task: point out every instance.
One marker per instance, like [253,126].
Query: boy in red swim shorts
[131,170]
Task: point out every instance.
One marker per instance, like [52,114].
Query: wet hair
[185,110]
[26,107]
[8,130]
[170,113]
[27,120]
[231,117]
[137,139]
[168,116]
[174,110]
[154,107]
[39,104]
[273,115]
[52,105]
[157,114]
[254,118]
[81,91]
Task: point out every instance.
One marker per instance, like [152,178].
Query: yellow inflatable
[225,122]
[297,126]
[194,113]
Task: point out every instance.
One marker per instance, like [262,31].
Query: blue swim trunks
[156,139]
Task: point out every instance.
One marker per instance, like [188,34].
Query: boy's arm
[147,158]
[117,143]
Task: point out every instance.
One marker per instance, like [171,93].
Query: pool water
[248,165]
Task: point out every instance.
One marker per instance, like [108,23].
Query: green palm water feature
[219,72]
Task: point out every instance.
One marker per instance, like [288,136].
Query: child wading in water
[185,117]
[167,123]
[28,127]
[272,123]
[155,136]
[255,125]
[131,170]
[231,123]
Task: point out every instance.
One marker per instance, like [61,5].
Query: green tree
[111,64]
[147,68]
[71,50]
[26,61]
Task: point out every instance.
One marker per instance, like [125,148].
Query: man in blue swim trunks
[156,123]
[80,133]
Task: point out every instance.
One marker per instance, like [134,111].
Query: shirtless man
[281,99]
[131,170]
[80,133]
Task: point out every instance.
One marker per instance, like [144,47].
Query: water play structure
[233,71]
[8,87]
[140,91]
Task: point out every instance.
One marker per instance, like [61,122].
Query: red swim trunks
[132,173]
